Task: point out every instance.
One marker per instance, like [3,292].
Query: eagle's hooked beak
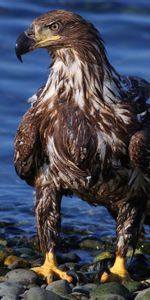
[24,44]
[34,38]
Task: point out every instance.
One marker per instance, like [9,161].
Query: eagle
[86,133]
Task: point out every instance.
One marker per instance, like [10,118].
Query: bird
[86,133]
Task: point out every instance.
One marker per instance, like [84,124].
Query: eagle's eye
[54,26]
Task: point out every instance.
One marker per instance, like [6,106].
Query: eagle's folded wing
[26,145]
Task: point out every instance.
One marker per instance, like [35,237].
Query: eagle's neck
[88,81]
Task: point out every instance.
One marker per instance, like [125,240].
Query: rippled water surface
[125,27]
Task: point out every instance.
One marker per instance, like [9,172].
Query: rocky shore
[85,258]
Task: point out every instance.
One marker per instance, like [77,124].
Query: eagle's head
[56,30]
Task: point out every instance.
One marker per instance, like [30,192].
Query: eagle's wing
[26,147]
[139,150]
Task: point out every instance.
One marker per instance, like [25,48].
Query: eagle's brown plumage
[87,132]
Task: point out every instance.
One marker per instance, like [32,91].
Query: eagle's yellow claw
[49,268]
[118,271]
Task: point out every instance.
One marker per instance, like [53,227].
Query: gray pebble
[10,291]
[22,276]
[59,287]
[90,286]
[111,297]
[143,295]
[36,293]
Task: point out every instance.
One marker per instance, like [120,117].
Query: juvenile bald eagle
[87,133]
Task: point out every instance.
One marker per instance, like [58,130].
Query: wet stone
[59,287]
[21,276]
[10,290]
[81,290]
[69,267]
[103,255]
[92,277]
[143,295]
[91,243]
[3,242]
[3,255]
[132,285]
[26,252]
[111,297]
[111,288]
[90,286]
[37,293]
[14,262]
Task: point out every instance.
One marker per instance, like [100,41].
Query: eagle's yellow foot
[49,268]
[118,272]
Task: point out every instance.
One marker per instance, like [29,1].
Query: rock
[41,294]
[25,251]
[22,276]
[80,291]
[3,242]
[91,243]
[14,262]
[9,290]
[99,266]
[110,297]
[3,271]
[10,260]
[69,266]
[132,285]
[143,295]
[61,288]
[90,286]
[3,255]
[111,289]
[103,255]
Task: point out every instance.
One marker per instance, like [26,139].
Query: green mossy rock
[111,288]
[103,255]
[132,285]
[143,295]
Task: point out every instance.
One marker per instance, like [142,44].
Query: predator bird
[87,132]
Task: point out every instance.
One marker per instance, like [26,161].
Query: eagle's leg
[48,218]
[129,223]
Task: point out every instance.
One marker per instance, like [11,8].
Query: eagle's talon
[117,272]
[108,277]
[44,272]
[48,273]
[49,268]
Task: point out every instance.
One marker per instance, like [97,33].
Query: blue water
[125,27]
